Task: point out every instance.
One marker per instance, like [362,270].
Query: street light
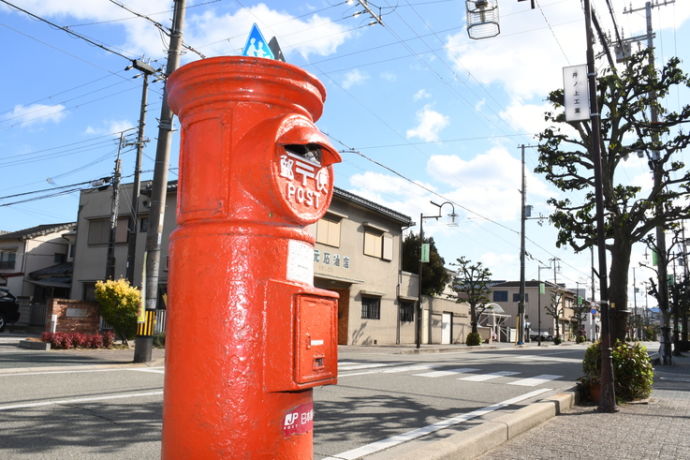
[482,19]
[425,254]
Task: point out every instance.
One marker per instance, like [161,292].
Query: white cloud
[354,77]
[525,58]
[430,124]
[212,33]
[111,127]
[226,34]
[421,94]
[34,114]
[388,76]
[488,184]
[392,191]
[479,105]
[526,117]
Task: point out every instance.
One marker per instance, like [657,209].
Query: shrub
[580,339]
[108,339]
[557,340]
[632,369]
[473,339]
[119,304]
[67,340]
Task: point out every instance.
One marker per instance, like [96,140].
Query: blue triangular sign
[256,45]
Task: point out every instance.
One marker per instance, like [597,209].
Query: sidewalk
[656,430]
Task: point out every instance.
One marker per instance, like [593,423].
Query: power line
[159,26]
[433,192]
[66,29]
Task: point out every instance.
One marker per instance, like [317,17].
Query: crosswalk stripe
[534,381]
[434,374]
[491,376]
[416,367]
[358,366]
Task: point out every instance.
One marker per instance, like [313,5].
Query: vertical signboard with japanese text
[576,93]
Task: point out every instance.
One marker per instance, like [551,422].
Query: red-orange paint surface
[254,172]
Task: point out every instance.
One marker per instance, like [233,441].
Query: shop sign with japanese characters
[576,93]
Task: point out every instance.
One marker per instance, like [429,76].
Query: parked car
[9,308]
[534,335]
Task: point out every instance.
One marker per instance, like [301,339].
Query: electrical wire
[67,30]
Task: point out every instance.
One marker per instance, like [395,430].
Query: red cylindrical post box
[248,335]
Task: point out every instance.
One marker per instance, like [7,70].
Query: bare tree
[471,284]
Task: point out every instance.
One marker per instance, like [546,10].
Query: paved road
[77,411]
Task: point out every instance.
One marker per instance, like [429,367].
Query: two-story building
[357,253]
[538,305]
[35,265]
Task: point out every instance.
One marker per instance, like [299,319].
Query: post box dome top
[245,79]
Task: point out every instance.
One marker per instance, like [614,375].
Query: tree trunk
[618,288]
[473,318]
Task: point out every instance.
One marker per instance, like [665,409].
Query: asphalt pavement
[552,427]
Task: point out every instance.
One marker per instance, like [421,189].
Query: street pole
[655,165]
[114,208]
[144,343]
[521,304]
[636,323]
[136,186]
[608,397]
[539,269]
[418,323]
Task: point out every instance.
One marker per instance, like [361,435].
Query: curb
[475,441]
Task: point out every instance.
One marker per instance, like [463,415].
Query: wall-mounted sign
[329,258]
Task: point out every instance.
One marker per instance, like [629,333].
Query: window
[328,230]
[500,296]
[59,258]
[143,224]
[371,307]
[378,244]
[406,311]
[99,231]
[7,259]
[516,297]
[89,294]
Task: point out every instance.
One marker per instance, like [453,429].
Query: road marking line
[358,366]
[546,358]
[81,400]
[534,381]
[491,376]
[434,374]
[393,441]
[388,369]
[83,371]
[150,369]
[414,367]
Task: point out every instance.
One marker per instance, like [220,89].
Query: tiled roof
[36,231]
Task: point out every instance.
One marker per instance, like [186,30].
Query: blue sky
[428,109]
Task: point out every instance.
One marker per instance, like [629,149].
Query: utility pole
[554,261]
[136,186]
[686,273]
[144,344]
[655,164]
[608,397]
[636,323]
[542,290]
[521,304]
[114,207]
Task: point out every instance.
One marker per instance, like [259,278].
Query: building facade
[538,304]
[357,253]
[36,265]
